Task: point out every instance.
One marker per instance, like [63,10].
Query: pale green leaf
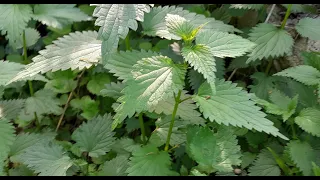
[47,159]
[195,79]
[21,170]
[309,27]
[113,90]
[13,20]
[8,70]
[232,106]
[154,79]
[149,161]
[10,109]
[7,135]
[178,26]
[201,59]
[247,6]
[303,73]
[223,44]
[154,23]
[76,50]
[264,165]
[271,42]
[32,36]
[214,151]
[115,167]
[95,136]
[125,146]
[308,120]
[58,15]
[97,82]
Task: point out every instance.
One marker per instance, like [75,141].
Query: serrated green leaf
[308,120]
[21,170]
[76,50]
[195,79]
[8,71]
[311,59]
[95,136]
[121,63]
[264,165]
[32,36]
[47,159]
[301,8]
[247,6]
[89,107]
[246,159]
[115,167]
[302,155]
[201,59]
[214,151]
[303,73]
[113,90]
[232,105]
[125,146]
[43,102]
[7,135]
[154,23]
[271,42]
[58,15]
[309,27]
[61,81]
[10,109]
[149,161]
[254,139]
[223,44]
[154,79]
[196,172]
[222,15]
[132,124]
[97,82]
[13,20]
[179,27]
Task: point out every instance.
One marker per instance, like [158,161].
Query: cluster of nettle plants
[150,92]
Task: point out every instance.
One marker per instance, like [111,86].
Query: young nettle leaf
[115,21]
[76,50]
[309,27]
[308,120]
[213,151]
[47,159]
[311,59]
[149,161]
[201,59]
[115,167]
[97,82]
[10,109]
[247,6]
[302,155]
[113,90]
[89,107]
[154,79]
[13,21]
[281,104]
[121,63]
[305,74]
[231,105]
[95,136]
[271,42]
[264,165]
[154,23]
[179,27]
[59,15]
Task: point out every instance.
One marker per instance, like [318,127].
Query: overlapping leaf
[11,108]
[113,90]
[309,27]
[309,121]
[264,165]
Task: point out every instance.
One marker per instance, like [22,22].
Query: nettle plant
[156,111]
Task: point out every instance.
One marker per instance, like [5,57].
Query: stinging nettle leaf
[179,27]
[7,135]
[309,27]
[309,120]
[247,6]
[232,105]
[271,42]
[10,109]
[95,136]
[76,50]
[115,167]
[264,165]
[113,90]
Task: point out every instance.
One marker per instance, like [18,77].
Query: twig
[233,72]
[269,15]
[68,101]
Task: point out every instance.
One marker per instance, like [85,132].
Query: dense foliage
[158,90]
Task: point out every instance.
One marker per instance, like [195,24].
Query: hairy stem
[68,101]
[232,74]
[143,132]
[25,58]
[284,22]
[175,109]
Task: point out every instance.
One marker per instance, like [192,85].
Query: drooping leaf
[115,167]
[214,151]
[58,15]
[271,42]
[308,120]
[223,44]
[13,20]
[149,161]
[95,136]
[264,165]
[232,106]
[303,73]
[76,50]
[154,79]
[47,159]
[309,27]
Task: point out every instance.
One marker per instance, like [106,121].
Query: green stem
[182,100]
[269,66]
[280,162]
[25,58]
[284,22]
[294,135]
[175,109]
[143,132]
[127,42]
